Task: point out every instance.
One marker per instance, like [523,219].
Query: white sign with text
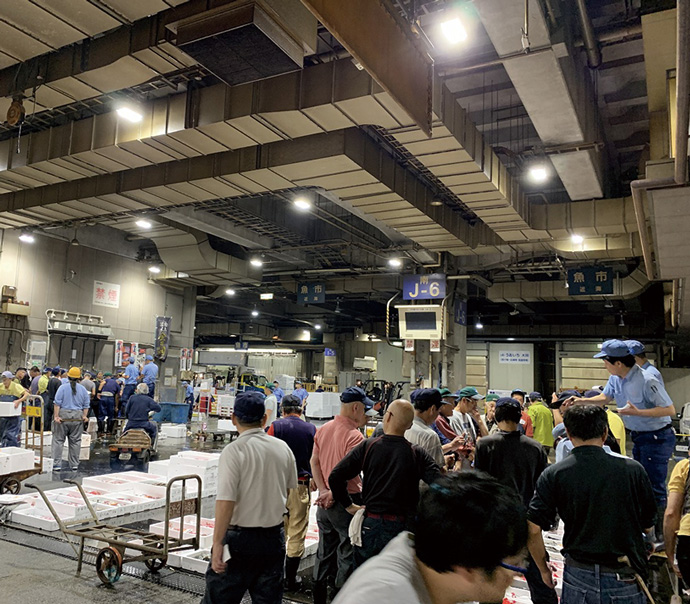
[523,357]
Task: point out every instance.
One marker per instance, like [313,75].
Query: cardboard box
[7,409]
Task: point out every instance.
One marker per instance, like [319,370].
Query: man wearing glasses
[483,522]
[606,504]
[646,410]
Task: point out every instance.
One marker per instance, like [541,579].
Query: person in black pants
[517,461]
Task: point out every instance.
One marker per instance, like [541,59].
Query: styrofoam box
[106,483]
[174,430]
[159,468]
[7,409]
[199,459]
[16,459]
[35,518]
[84,453]
[184,469]
[226,425]
[193,560]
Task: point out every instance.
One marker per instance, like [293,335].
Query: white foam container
[7,409]
[16,459]
[193,560]
[174,430]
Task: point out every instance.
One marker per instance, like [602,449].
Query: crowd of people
[444,504]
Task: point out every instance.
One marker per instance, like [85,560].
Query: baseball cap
[131,360]
[431,395]
[517,391]
[270,386]
[8,374]
[508,401]
[249,406]
[492,397]
[47,369]
[613,348]
[149,357]
[446,393]
[354,394]
[55,371]
[469,392]
[107,374]
[634,346]
[535,396]
[562,397]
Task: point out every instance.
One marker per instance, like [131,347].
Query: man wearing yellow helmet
[71,408]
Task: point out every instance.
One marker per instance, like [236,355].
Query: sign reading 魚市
[424,287]
[590,281]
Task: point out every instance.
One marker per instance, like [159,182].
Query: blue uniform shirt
[279,394]
[301,393]
[138,408]
[65,399]
[131,374]
[649,368]
[189,392]
[643,391]
[149,373]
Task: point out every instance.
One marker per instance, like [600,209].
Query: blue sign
[590,281]
[460,314]
[311,293]
[424,287]
[329,352]
[241,345]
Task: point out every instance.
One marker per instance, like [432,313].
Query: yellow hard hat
[74,372]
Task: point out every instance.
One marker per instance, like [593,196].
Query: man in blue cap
[149,374]
[646,410]
[131,376]
[254,475]
[638,351]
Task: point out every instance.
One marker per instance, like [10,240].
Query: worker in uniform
[11,391]
[149,374]
[137,411]
[255,473]
[71,408]
[299,436]
[131,375]
[300,393]
[542,421]
[108,394]
[271,403]
[638,351]
[646,410]
[189,397]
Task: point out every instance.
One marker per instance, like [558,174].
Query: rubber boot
[659,544]
[292,581]
[320,592]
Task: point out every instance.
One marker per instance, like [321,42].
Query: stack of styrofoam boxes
[47,466]
[84,449]
[286,383]
[323,404]
[15,459]
[226,403]
[188,530]
[202,464]
[226,425]
[174,430]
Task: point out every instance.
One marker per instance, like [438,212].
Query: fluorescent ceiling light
[230,292]
[130,114]
[479,324]
[538,174]
[395,262]
[511,339]
[255,313]
[27,238]
[154,269]
[454,31]
[436,202]
[266,296]
[577,239]
[317,327]
[256,350]
[143,224]
[256,262]
[302,203]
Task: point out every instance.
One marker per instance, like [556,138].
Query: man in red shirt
[333,441]
[526,420]
[446,411]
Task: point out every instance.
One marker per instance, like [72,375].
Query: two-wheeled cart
[11,483]
[149,548]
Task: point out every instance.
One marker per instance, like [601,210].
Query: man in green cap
[490,413]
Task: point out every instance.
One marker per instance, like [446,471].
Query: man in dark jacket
[137,411]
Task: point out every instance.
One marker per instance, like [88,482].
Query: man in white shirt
[466,420]
[427,402]
[271,404]
[254,475]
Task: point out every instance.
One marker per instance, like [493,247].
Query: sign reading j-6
[424,287]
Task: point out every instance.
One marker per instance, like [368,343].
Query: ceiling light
[577,239]
[154,269]
[302,203]
[255,313]
[306,335]
[511,339]
[266,296]
[454,30]
[395,262]
[621,322]
[143,224]
[257,262]
[398,344]
[538,174]
[514,313]
[317,327]
[608,304]
[436,202]
[230,292]
[130,114]
[27,238]
[479,324]
[256,350]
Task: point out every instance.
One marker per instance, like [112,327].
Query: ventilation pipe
[588,37]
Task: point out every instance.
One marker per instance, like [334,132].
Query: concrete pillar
[455,374]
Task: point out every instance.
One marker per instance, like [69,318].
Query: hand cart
[150,548]
[33,439]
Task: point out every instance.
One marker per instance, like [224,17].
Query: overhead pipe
[588,36]
[682,119]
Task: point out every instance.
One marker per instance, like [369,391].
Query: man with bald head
[392,468]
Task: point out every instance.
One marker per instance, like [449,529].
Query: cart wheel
[10,486]
[145,457]
[155,564]
[109,565]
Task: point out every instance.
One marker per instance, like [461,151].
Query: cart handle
[197,508]
[42,493]
[94,516]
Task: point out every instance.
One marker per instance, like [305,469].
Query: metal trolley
[150,548]
[33,439]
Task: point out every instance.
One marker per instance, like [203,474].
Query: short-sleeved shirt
[299,436]
[654,371]
[131,374]
[424,436]
[462,423]
[444,427]
[110,387]
[605,501]
[542,421]
[617,428]
[256,471]
[279,394]
[392,576]
[301,393]
[676,484]
[333,441]
[43,383]
[271,405]
[189,391]
[33,388]
[88,384]
[644,391]
[16,390]
[149,373]
[78,400]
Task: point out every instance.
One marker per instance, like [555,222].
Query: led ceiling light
[257,262]
[130,114]
[577,239]
[479,324]
[154,269]
[538,174]
[266,296]
[255,313]
[395,262]
[230,292]
[436,202]
[27,238]
[302,203]
[143,224]
[454,31]
[317,327]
